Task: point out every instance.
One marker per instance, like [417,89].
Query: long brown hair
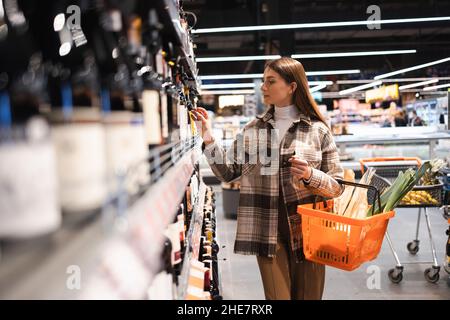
[292,71]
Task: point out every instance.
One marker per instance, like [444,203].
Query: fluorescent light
[350,54]
[228,85]
[418,84]
[239,58]
[318,25]
[317,88]
[354,81]
[232,76]
[205,92]
[314,83]
[65,48]
[332,72]
[420,66]
[58,22]
[422,92]
[307,56]
[364,86]
[260,75]
[252,85]
[390,80]
[446,85]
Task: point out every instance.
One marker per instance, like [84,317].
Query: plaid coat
[257,219]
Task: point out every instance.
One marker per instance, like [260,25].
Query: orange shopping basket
[339,241]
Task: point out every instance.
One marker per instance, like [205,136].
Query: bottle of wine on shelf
[173,233]
[182,228]
[126,150]
[29,205]
[78,133]
[151,106]
[154,98]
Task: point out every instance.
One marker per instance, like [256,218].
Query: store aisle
[241,279]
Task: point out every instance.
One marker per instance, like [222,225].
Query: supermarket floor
[240,278]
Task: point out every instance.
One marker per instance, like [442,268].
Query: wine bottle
[152,115]
[29,205]
[167,259]
[180,219]
[172,110]
[172,232]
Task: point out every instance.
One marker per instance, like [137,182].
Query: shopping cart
[446,213]
[387,170]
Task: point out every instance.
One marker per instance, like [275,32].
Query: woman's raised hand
[203,125]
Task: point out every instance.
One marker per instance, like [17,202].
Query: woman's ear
[293,87]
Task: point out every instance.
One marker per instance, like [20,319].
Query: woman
[303,162]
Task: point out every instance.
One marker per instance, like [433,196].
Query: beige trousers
[284,279]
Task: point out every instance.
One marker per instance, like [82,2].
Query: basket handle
[324,200]
[365,186]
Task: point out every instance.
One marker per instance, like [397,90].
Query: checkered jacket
[257,219]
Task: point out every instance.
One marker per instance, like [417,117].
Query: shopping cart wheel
[413,247]
[432,274]
[396,274]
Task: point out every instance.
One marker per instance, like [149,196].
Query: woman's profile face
[275,90]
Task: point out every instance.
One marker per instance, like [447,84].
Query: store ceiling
[430,39]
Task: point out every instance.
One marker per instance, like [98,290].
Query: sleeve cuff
[314,180]
[307,181]
[209,150]
[208,147]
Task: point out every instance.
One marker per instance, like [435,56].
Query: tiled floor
[240,278]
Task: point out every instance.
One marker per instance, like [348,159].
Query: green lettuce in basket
[399,188]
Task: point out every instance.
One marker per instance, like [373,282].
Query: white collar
[287,112]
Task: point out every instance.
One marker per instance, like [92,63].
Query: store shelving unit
[192,243]
[114,252]
[173,29]
[109,247]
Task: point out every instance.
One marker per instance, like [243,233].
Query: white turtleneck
[284,117]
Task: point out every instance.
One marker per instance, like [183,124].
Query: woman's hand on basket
[203,125]
[300,168]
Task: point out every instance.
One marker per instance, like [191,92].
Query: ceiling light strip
[319,25]
[364,86]
[420,66]
[446,85]
[228,85]
[317,88]
[213,92]
[417,84]
[350,54]
[260,75]
[237,58]
[390,80]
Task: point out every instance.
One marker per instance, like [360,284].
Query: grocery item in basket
[353,201]
[349,175]
[418,198]
[404,183]
[431,176]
